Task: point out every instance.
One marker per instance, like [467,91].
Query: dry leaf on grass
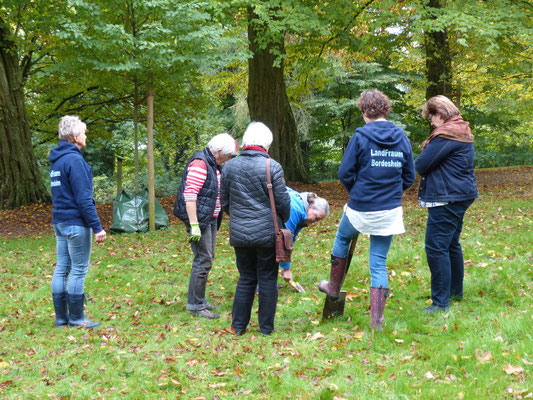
[513,369]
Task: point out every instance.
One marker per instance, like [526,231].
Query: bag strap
[271,195]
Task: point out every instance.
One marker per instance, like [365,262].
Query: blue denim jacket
[447,171]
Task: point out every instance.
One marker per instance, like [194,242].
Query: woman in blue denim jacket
[447,188]
[73,217]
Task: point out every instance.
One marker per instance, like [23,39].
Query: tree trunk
[136,131]
[150,143]
[20,181]
[268,103]
[438,58]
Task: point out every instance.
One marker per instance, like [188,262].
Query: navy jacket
[207,198]
[447,171]
[72,188]
[244,196]
[377,167]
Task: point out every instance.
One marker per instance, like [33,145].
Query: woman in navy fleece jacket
[73,217]
[376,168]
[447,188]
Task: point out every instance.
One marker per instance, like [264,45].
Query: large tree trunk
[268,103]
[438,58]
[20,181]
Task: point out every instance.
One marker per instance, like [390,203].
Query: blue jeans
[257,266]
[204,252]
[443,251]
[73,247]
[379,248]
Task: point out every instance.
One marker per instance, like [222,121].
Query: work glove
[196,234]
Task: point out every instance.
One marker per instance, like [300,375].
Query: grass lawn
[148,346]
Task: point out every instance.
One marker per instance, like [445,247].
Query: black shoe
[205,313]
[236,332]
[433,308]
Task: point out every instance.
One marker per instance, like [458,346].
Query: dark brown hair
[440,105]
[374,104]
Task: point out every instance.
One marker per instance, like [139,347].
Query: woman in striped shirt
[198,206]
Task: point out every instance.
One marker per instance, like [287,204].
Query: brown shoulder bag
[283,238]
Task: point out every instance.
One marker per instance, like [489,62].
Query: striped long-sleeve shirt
[196,176]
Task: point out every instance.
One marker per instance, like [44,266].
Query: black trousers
[257,267]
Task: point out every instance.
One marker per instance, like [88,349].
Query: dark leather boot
[378,297]
[76,316]
[336,278]
[60,307]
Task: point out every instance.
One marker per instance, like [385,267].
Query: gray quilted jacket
[244,196]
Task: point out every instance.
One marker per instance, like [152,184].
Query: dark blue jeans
[257,267]
[443,251]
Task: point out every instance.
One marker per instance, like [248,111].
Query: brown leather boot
[336,278]
[378,297]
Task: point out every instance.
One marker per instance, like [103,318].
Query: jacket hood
[63,148]
[385,133]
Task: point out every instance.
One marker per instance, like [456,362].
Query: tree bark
[150,151]
[268,103]
[20,181]
[438,58]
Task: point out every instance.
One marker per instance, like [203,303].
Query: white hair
[321,204]
[70,126]
[257,134]
[225,143]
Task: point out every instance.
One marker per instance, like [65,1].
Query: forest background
[212,66]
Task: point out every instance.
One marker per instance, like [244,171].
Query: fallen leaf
[513,369]
[316,336]
[358,335]
[429,375]
[483,358]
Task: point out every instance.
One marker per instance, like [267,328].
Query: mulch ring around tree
[36,219]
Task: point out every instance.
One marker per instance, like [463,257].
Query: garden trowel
[335,308]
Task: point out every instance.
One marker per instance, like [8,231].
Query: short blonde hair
[69,127]
[440,105]
[257,134]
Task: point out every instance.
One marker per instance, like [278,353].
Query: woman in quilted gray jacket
[244,196]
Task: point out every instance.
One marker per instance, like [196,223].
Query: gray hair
[257,134]
[320,204]
[225,143]
[70,126]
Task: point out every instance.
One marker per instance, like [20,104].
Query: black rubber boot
[60,307]
[336,278]
[76,316]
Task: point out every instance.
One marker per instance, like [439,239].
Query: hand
[286,274]
[196,234]
[100,236]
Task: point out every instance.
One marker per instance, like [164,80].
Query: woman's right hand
[100,236]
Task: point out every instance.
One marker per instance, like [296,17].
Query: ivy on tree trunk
[20,181]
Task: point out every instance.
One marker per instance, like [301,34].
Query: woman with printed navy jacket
[376,168]
[447,188]
[73,217]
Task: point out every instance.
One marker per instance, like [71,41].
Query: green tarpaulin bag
[130,213]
